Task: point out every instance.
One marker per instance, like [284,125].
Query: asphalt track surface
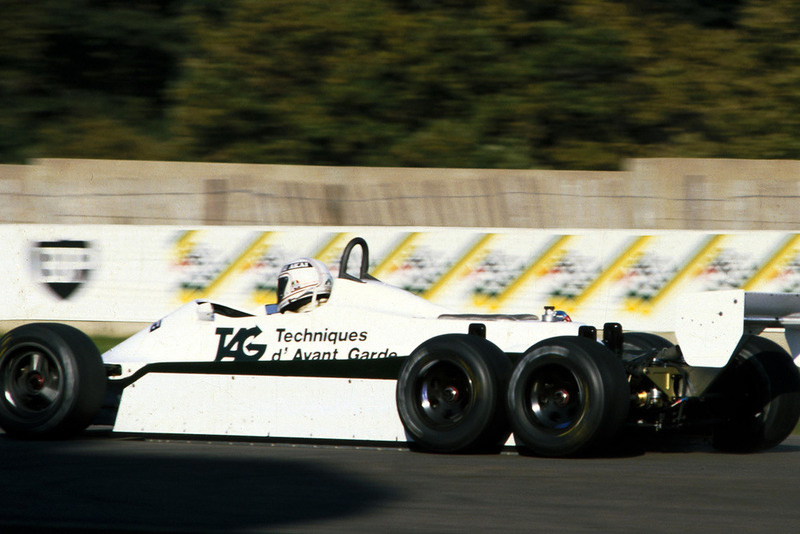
[105,483]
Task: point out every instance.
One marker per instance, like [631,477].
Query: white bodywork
[361,321]
[710,324]
[263,406]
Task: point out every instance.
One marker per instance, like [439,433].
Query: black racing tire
[760,397]
[637,343]
[568,396]
[450,395]
[52,380]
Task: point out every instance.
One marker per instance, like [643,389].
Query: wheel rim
[444,393]
[31,380]
[555,398]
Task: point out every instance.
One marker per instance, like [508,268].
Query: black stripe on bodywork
[384,368]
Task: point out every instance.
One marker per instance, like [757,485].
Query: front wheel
[568,396]
[52,380]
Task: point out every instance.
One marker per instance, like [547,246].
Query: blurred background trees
[565,84]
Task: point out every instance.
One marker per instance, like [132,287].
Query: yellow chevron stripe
[697,260]
[469,257]
[771,267]
[326,252]
[184,242]
[242,260]
[570,305]
[535,269]
[391,259]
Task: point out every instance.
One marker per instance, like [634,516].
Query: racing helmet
[303,284]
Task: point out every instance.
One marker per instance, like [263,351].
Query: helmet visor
[283,283]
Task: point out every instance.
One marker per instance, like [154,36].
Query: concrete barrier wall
[647,194]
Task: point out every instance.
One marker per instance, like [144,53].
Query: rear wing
[710,324]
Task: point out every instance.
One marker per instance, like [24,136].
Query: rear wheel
[52,380]
[638,343]
[759,395]
[567,396]
[450,395]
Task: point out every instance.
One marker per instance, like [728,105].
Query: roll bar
[363,273]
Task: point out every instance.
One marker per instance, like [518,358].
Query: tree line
[563,84]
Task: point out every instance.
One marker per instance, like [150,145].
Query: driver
[303,285]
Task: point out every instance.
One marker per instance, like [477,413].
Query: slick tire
[52,379]
[568,396]
[450,395]
[760,397]
[636,343]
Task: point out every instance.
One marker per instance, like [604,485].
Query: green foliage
[105,343]
[574,84]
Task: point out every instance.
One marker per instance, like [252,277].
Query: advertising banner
[140,273]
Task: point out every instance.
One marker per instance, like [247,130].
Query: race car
[358,360]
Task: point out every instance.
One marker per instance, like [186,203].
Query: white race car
[378,364]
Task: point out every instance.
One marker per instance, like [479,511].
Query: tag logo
[63,266]
[238,347]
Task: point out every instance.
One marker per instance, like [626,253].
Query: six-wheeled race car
[356,359]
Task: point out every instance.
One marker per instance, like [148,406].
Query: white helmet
[303,284]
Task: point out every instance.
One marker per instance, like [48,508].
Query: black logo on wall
[63,266]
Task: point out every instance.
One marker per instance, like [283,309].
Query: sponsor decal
[357,354]
[299,345]
[300,264]
[239,347]
[330,337]
[62,266]
[319,335]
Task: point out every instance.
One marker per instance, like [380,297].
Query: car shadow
[81,486]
